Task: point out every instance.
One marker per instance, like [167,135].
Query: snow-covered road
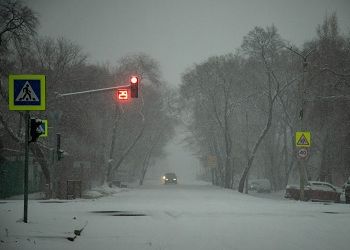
[176,217]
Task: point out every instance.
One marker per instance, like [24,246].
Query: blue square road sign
[27,92]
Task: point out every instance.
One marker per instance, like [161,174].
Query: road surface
[176,217]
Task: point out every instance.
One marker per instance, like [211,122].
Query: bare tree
[328,101]
[17,22]
[263,45]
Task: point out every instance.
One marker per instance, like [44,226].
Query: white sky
[178,33]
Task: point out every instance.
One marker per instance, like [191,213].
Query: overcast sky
[178,33]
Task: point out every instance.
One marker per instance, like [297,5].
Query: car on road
[314,191]
[169,178]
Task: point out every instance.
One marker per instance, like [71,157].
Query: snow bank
[91,194]
[106,190]
[32,196]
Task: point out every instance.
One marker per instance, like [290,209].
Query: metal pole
[301,90]
[58,146]
[55,167]
[301,162]
[26,157]
[114,135]
[58,95]
[247,152]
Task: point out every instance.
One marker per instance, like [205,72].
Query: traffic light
[59,151]
[134,87]
[35,129]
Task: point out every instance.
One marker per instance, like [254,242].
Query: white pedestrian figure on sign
[27,92]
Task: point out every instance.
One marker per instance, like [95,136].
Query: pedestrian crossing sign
[27,92]
[303,139]
[44,128]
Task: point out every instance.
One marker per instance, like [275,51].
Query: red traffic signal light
[134,79]
[134,87]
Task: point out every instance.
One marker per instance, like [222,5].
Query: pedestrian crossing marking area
[27,92]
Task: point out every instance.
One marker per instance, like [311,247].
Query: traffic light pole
[114,135]
[26,158]
[58,95]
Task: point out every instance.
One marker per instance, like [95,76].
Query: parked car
[315,191]
[346,188]
[169,178]
[260,185]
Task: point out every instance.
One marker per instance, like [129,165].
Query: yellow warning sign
[303,139]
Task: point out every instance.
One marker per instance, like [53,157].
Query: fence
[73,189]
[11,179]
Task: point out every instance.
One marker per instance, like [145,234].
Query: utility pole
[301,121]
[301,163]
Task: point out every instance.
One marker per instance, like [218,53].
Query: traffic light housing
[59,151]
[134,87]
[35,130]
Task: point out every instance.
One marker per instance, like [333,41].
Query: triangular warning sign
[41,128]
[303,141]
[27,94]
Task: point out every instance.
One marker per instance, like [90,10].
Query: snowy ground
[176,217]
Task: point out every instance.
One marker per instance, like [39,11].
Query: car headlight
[166,179]
[174,179]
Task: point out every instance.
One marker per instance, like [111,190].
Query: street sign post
[302,142]
[303,139]
[26,92]
[26,170]
[303,153]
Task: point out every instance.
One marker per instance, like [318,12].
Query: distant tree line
[242,108]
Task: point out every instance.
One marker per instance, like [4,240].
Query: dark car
[169,178]
[314,191]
